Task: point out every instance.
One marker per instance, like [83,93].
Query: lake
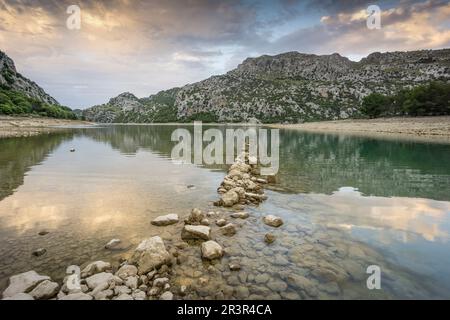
[347,203]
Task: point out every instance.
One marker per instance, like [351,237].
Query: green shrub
[14,102]
[207,117]
[375,105]
[424,100]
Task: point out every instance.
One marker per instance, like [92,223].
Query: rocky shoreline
[147,274]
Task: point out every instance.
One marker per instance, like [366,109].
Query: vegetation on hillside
[16,103]
[432,99]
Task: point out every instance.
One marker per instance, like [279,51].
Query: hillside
[290,87]
[19,95]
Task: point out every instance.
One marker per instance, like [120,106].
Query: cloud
[144,46]
[405,27]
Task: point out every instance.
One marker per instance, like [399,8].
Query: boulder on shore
[195,217]
[23,283]
[230,198]
[211,250]
[99,279]
[126,271]
[150,254]
[166,220]
[45,290]
[95,267]
[196,232]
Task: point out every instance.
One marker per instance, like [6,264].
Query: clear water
[347,203]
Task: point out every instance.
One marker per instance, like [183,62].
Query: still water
[347,202]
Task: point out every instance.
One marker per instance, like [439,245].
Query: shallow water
[347,203]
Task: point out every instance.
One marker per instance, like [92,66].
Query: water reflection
[119,178]
[18,155]
[322,163]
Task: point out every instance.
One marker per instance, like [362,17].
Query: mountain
[10,78]
[19,95]
[127,108]
[289,87]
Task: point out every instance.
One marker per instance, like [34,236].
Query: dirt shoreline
[30,126]
[427,129]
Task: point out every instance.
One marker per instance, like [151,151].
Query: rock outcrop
[10,78]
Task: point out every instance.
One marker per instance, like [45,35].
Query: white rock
[273,221]
[143,287]
[143,279]
[150,254]
[252,160]
[119,290]
[230,198]
[126,271]
[103,286]
[166,220]
[160,282]
[118,281]
[240,215]
[196,232]
[99,279]
[221,222]
[23,283]
[139,295]
[154,291]
[132,282]
[183,290]
[124,296]
[113,244]
[103,295]
[45,290]
[20,296]
[194,217]
[211,250]
[77,296]
[95,267]
[166,296]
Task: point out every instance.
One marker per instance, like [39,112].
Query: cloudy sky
[143,46]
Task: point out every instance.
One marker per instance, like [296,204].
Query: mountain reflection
[18,155]
[322,163]
[316,163]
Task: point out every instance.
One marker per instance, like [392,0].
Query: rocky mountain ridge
[11,79]
[289,87]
